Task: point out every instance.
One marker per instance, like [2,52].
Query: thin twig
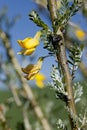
[3,121]
[26,120]
[22,107]
[15,95]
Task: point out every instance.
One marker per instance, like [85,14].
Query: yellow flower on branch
[32,70]
[40,80]
[80,34]
[29,44]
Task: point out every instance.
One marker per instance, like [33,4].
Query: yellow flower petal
[40,80]
[40,84]
[31,76]
[33,73]
[29,43]
[32,70]
[27,51]
[80,34]
[28,68]
[40,76]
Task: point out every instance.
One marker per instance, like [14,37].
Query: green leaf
[70,62]
[37,20]
[78,91]
[75,56]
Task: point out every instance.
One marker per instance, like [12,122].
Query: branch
[3,121]
[62,59]
[22,107]
[26,121]
[15,95]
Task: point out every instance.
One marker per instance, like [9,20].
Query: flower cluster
[32,70]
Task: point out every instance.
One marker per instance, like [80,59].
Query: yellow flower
[40,80]
[32,70]
[80,34]
[29,44]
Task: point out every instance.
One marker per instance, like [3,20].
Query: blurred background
[14,25]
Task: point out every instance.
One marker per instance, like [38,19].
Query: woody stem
[62,60]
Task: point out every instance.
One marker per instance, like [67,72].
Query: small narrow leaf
[37,20]
[75,57]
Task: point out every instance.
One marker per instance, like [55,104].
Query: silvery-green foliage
[61,125]
[37,20]
[75,57]
[57,84]
[78,91]
[83,120]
